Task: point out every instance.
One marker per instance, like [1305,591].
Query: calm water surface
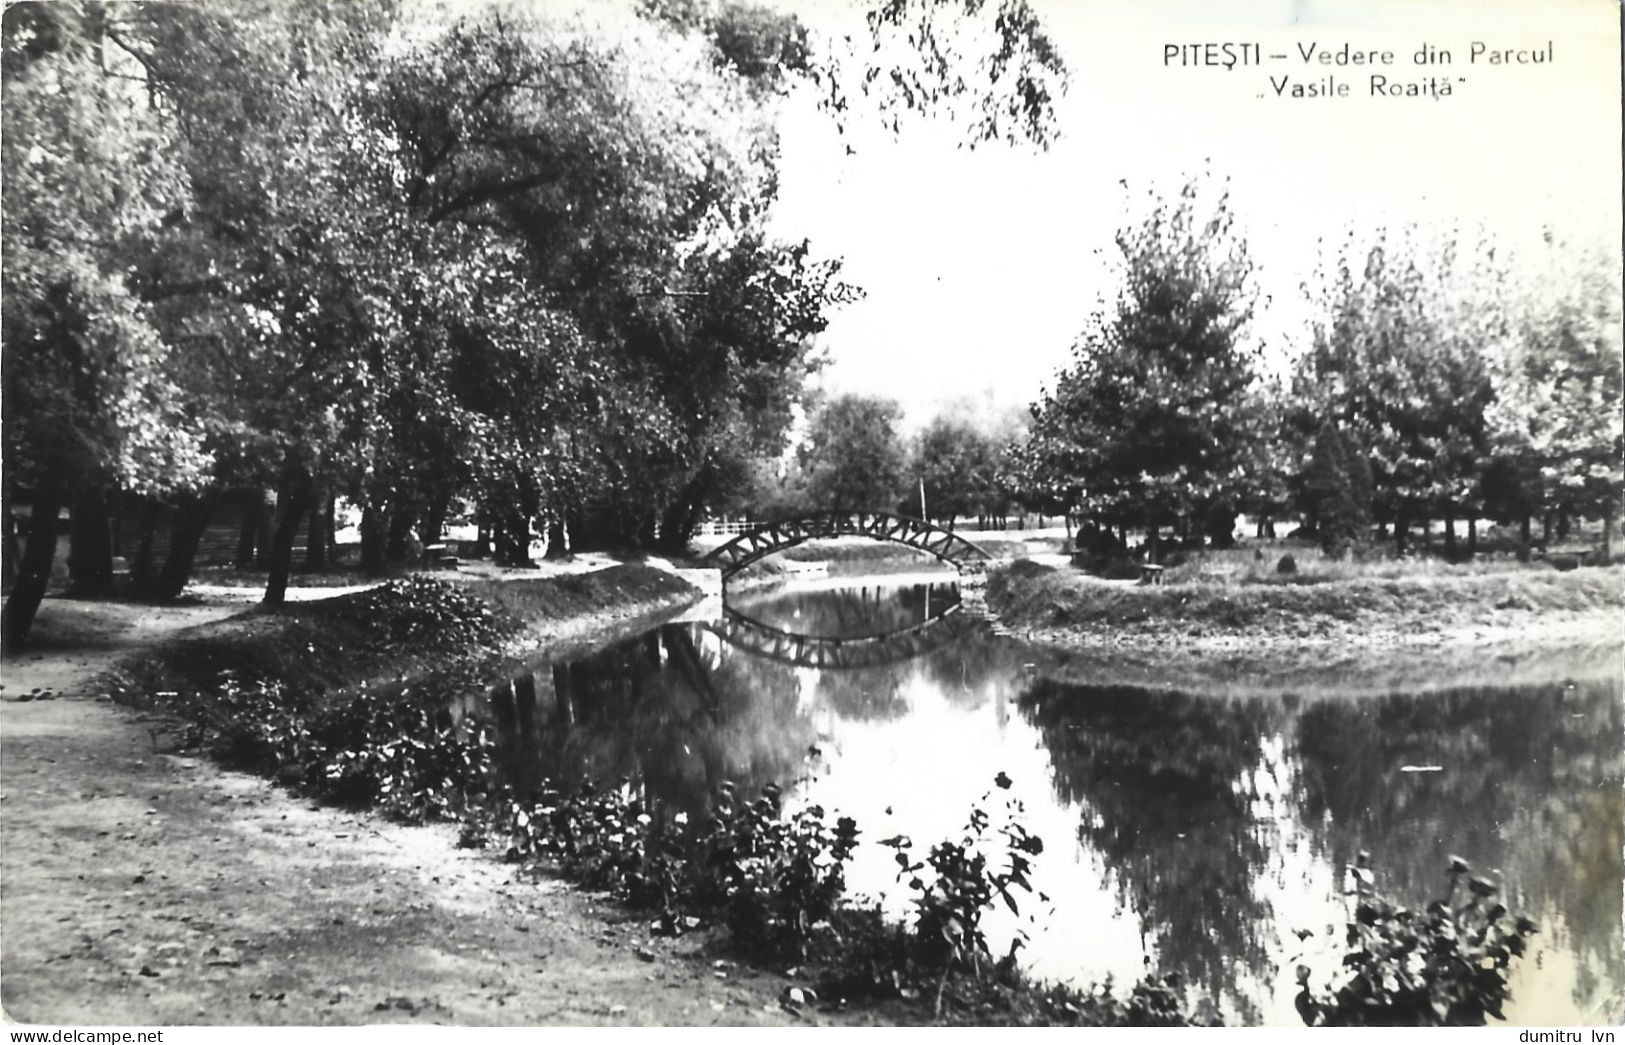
[1195,833]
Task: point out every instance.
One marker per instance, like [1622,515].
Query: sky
[981,266]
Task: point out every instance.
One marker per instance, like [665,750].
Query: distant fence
[727,527]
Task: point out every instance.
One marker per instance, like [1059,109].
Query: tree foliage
[1556,424]
[1337,492]
[1154,418]
[853,455]
[1399,362]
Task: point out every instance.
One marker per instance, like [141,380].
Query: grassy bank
[1026,593]
[1340,632]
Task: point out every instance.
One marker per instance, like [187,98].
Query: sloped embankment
[1347,635]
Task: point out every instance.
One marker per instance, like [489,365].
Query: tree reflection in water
[1165,784]
[670,713]
[1529,787]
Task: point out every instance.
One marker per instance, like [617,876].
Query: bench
[1150,573]
[438,555]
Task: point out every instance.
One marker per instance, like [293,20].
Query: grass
[573,594]
[1235,592]
[1246,566]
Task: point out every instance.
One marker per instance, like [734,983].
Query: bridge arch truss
[773,537]
[841,654]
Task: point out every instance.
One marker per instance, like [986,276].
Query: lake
[1191,833]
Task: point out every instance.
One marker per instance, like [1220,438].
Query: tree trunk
[678,523]
[9,552]
[1608,533]
[248,531]
[1472,535]
[34,570]
[373,527]
[400,528]
[1524,538]
[265,521]
[1546,527]
[1450,534]
[512,540]
[558,542]
[433,526]
[320,535]
[1402,524]
[293,501]
[143,574]
[191,519]
[90,548]
[330,526]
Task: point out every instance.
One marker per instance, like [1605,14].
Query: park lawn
[1428,597]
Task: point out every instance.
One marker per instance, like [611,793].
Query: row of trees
[1443,379]
[854,455]
[416,257]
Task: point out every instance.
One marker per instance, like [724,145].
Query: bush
[775,881]
[963,884]
[781,879]
[420,612]
[399,752]
[1444,966]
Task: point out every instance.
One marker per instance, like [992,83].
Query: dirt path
[143,886]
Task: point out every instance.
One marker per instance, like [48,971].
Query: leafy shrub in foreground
[773,880]
[948,906]
[406,758]
[782,879]
[1443,966]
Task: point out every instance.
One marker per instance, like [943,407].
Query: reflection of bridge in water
[841,654]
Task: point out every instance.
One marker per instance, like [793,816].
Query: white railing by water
[727,527]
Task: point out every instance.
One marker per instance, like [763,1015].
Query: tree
[1556,422]
[959,465]
[89,389]
[1399,364]
[1337,492]
[297,232]
[1153,421]
[853,455]
[991,67]
[640,202]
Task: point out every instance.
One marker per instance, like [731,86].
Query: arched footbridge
[772,537]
